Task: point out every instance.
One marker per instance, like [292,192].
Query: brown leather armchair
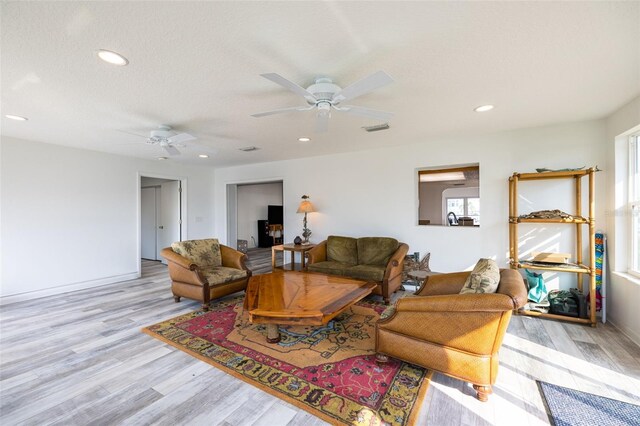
[206,282]
[456,334]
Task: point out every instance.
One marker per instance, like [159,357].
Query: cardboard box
[551,257]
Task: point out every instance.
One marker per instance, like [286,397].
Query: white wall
[253,201]
[623,291]
[374,193]
[69,217]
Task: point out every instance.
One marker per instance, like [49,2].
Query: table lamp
[305,207]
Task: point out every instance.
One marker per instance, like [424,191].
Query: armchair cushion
[218,275]
[483,279]
[342,249]
[205,253]
[376,250]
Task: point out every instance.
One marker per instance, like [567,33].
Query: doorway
[161,213]
[248,208]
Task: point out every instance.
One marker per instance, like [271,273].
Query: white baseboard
[631,334]
[37,294]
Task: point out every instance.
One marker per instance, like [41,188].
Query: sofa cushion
[484,278]
[204,253]
[330,267]
[217,275]
[367,272]
[376,250]
[342,249]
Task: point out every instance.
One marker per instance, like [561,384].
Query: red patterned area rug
[329,371]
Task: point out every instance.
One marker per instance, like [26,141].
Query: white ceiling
[196,66]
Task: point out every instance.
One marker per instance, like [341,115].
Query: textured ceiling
[196,66]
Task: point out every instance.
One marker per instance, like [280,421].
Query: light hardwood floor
[79,358]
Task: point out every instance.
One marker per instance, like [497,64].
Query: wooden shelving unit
[580,267]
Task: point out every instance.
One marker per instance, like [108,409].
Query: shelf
[582,266]
[554,316]
[570,267]
[581,220]
[553,175]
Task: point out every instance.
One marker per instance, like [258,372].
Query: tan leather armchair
[205,282]
[456,334]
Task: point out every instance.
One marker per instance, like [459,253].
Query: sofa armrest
[436,285]
[182,269]
[232,258]
[318,253]
[396,262]
[174,257]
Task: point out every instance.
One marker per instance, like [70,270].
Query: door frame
[183,209]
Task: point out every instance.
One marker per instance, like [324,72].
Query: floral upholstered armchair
[204,270]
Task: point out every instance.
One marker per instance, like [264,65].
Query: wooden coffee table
[300,298]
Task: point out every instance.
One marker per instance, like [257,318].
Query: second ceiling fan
[324,95]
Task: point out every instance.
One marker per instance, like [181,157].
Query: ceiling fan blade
[282,110]
[287,84]
[365,85]
[171,150]
[180,138]
[322,122]
[366,112]
[133,134]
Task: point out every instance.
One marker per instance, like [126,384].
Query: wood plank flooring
[79,358]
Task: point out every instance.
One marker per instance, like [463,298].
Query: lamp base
[305,243]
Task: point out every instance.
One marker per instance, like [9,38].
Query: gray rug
[569,407]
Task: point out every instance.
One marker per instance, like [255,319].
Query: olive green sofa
[378,259]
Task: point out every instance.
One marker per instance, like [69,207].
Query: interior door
[148,223]
[170,224]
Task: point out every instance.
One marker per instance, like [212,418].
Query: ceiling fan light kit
[324,95]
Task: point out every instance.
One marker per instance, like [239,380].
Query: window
[465,207]
[634,203]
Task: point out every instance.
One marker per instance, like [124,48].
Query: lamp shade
[306,207]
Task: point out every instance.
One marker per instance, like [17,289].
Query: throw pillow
[483,279]
[204,253]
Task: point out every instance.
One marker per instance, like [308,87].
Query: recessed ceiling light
[304,139]
[112,57]
[16,117]
[163,158]
[203,156]
[484,108]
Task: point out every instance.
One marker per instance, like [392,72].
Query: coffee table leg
[273,335]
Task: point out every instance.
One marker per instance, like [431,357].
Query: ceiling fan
[167,139]
[324,95]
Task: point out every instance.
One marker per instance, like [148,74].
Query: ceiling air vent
[376,128]
[249,148]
